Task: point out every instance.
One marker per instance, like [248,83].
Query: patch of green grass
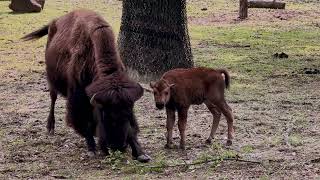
[247,149]
[272,141]
[214,160]
[295,140]
[216,146]
[225,47]
[123,163]
[23,56]
[264,177]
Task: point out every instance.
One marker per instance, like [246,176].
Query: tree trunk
[243,10]
[154,36]
[266,4]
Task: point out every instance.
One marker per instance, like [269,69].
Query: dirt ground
[261,126]
[276,125]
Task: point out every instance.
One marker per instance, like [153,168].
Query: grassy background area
[217,38]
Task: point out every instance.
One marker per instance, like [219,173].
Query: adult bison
[83,64]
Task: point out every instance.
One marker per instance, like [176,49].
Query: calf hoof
[50,132]
[144,158]
[169,146]
[182,147]
[91,154]
[209,141]
[229,142]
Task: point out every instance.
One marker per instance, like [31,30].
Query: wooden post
[243,10]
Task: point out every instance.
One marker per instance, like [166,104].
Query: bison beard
[83,65]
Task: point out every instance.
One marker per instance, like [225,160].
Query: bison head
[161,91]
[114,105]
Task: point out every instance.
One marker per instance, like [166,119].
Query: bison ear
[94,102]
[136,92]
[152,84]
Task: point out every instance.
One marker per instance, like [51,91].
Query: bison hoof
[169,146]
[229,142]
[50,132]
[144,158]
[91,154]
[209,141]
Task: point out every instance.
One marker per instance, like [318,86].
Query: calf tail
[37,34]
[226,77]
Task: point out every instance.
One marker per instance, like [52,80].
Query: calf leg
[216,118]
[170,123]
[50,119]
[227,112]
[182,123]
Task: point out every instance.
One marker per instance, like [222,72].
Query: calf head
[116,120]
[161,91]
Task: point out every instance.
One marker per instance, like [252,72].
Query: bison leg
[216,118]
[182,123]
[103,146]
[91,144]
[51,120]
[227,112]
[170,123]
[80,117]
[137,151]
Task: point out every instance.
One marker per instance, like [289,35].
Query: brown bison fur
[82,63]
[179,88]
[25,6]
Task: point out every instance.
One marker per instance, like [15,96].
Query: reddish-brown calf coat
[185,87]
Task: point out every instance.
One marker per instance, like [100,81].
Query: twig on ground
[201,162]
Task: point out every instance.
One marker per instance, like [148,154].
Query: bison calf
[179,88]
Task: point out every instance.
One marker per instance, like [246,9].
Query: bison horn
[93,102]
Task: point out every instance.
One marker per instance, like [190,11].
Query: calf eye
[166,93]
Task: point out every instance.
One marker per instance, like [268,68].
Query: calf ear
[152,84]
[171,85]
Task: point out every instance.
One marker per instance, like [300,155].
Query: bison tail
[226,77]
[37,34]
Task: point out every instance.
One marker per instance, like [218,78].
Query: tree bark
[243,10]
[154,36]
[266,4]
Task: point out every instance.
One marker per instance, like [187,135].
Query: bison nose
[159,105]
